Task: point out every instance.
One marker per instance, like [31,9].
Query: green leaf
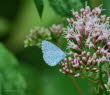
[39,5]
[92,3]
[106,6]
[64,7]
[11,81]
[6,58]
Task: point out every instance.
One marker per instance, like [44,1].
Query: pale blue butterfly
[52,55]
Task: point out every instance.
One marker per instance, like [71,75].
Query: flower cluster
[57,30]
[88,36]
[37,34]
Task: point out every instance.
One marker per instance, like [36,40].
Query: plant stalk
[101,80]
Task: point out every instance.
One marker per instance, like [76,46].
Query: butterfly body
[52,55]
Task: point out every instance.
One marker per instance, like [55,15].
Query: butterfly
[52,55]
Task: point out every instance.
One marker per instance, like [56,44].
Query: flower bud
[87,68]
[77,75]
[70,37]
[71,71]
[88,62]
[83,53]
[82,10]
[84,59]
[88,54]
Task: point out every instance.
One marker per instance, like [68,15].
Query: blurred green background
[22,70]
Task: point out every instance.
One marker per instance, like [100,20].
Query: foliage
[39,6]
[17,17]
[11,80]
[63,7]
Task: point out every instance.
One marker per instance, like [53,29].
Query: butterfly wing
[52,55]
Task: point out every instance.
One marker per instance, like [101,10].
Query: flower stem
[76,86]
[101,80]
